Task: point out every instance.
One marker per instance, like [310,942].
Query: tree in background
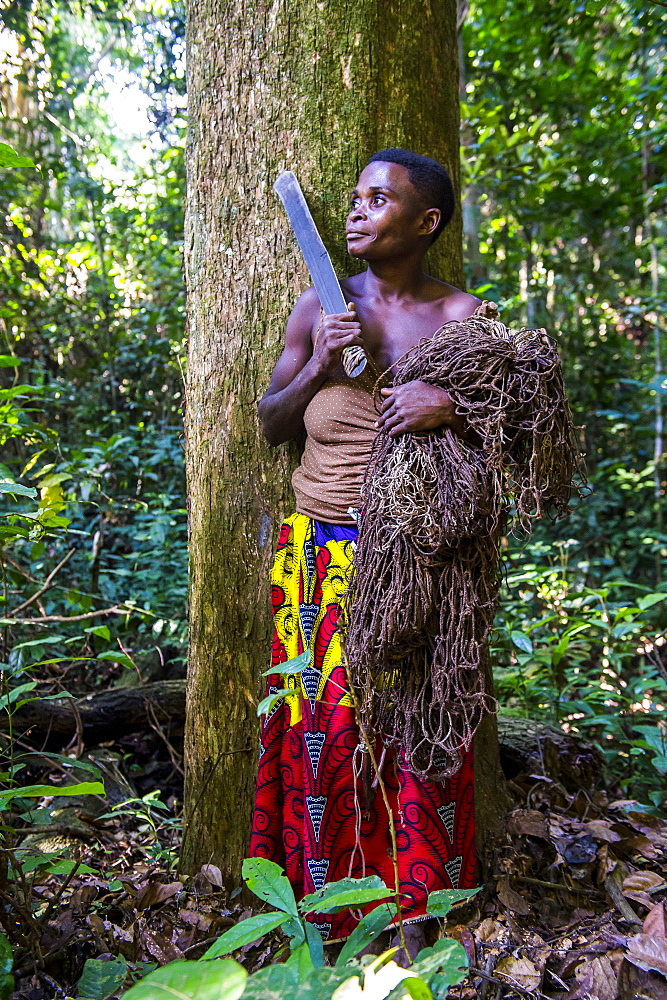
[91,326]
[314,89]
[566,155]
[567,152]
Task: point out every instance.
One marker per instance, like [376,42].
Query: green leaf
[185,980]
[54,479]
[415,988]
[13,696]
[53,864]
[99,630]
[294,666]
[276,982]
[11,159]
[100,979]
[39,791]
[9,361]
[295,930]
[266,704]
[76,765]
[116,657]
[439,903]
[6,963]
[268,881]
[345,893]
[245,932]
[648,600]
[441,966]
[368,929]
[315,945]
[522,641]
[15,489]
[321,984]
[301,960]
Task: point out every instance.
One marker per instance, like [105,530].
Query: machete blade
[315,255]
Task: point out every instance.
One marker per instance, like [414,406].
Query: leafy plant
[304,973]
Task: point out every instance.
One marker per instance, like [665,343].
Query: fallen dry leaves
[572,910]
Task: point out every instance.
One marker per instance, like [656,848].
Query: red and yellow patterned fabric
[310,814]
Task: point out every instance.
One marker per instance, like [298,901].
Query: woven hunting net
[426,574]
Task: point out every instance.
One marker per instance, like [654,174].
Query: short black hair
[429,178]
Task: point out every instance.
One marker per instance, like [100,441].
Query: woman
[312,814]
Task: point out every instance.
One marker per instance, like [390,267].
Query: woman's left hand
[417,406]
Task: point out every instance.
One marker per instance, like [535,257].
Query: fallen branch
[104,714]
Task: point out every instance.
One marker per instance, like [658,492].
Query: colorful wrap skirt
[310,813]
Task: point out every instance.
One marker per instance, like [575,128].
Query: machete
[318,260]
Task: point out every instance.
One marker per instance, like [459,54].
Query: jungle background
[564,162]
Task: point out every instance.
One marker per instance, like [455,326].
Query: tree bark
[288,84]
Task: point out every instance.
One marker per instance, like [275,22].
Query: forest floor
[573,908]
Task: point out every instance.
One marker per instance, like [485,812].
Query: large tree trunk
[315,87]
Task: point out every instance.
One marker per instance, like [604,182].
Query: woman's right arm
[302,369]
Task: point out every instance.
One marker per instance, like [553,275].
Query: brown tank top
[340,426]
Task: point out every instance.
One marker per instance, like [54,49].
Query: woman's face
[387,218]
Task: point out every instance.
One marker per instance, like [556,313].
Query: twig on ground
[620,902]
[555,885]
[508,983]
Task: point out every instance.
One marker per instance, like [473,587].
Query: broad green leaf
[16,489]
[648,600]
[19,390]
[447,958]
[6,964]
[301,960]
[52,863]
[268,881]
[245,932]
[322,983]
[116,657]
[9,361]
[522,641]
[345,893]
[39,791]
[275,982]
[266,704]
[11,159]
[53,479]
[99,630]
[12,696]
[439,903]
[625,628]
[368,929]
[186,980]
[100,979]
[294,666]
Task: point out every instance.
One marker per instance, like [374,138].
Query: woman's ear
[430,222]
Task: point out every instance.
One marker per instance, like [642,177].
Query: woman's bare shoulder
[454,303]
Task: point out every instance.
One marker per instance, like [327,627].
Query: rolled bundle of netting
[426,570]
